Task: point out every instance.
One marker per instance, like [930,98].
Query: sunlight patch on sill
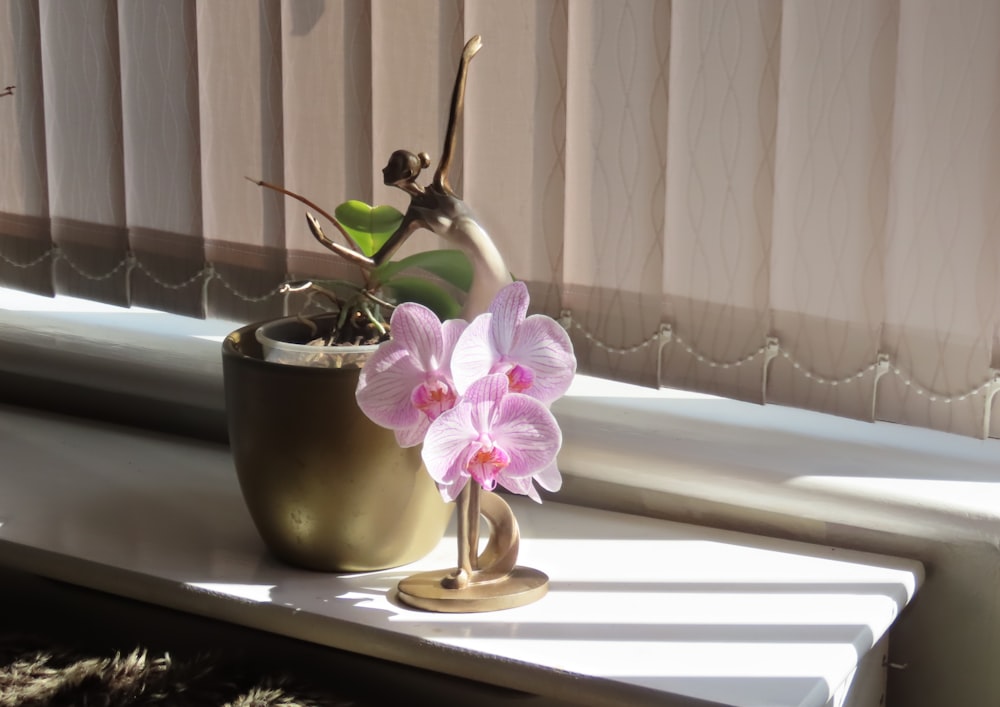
[584,386]
[961,496]
[257,593]
[116,326]
[15,300]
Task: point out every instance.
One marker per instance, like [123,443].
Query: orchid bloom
[535,353]
[407,382]
[493,436]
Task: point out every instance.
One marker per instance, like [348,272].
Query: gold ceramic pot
[327,488]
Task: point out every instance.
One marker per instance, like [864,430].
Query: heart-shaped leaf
[369,227]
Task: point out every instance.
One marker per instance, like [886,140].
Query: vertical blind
[780,201]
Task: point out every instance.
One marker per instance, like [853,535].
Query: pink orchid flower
[493,436]
[535,353]
[407,382]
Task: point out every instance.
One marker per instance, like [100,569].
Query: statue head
[403,169]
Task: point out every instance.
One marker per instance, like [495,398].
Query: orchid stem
[473,525]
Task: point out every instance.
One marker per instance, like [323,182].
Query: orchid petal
[523,486]
[459,469]
[413,435]
[544,348]
[528,432]
[418,330]
[549,478]
[509,308]
[447,444]
[385,385]
[449,492]
[451,331]
[473,356]
[481,399]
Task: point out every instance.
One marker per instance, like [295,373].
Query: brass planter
[327,488]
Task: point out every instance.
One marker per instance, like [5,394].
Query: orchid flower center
[433,397]
[486,463]
[519,377]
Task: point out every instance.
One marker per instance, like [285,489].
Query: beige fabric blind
[779,201]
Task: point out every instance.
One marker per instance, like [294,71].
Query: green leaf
[452,266]
[427,293]
[369,227]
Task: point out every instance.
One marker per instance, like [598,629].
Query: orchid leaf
[369,227]
[427,293]
[452,266]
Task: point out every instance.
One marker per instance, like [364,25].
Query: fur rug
[33,674]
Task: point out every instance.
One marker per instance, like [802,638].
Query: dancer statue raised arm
[472,48]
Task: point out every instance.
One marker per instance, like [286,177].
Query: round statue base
[426,591]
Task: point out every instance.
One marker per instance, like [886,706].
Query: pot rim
[244,343]
[270,342]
